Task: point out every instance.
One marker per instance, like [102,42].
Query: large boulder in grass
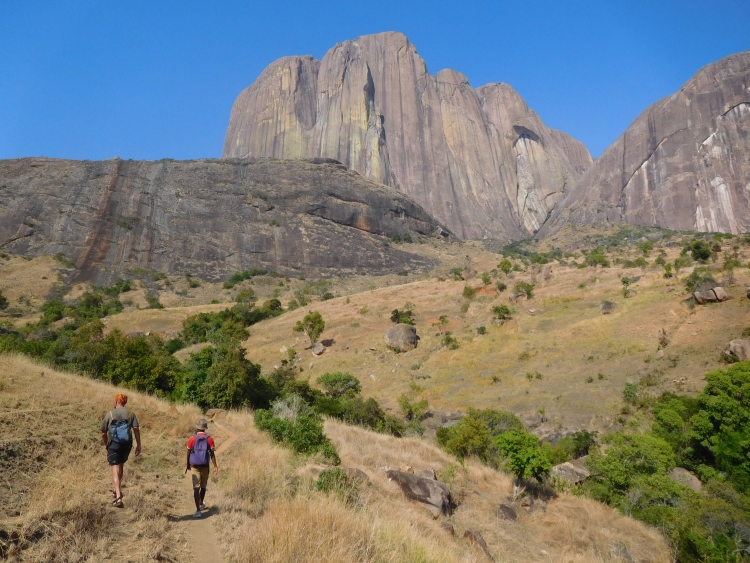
[434,494]
[607,307]
[721,294]
[402,337]
[573,471]
[738,349]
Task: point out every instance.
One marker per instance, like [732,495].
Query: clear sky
[94,79]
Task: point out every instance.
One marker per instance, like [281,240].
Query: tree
[525,287]
[502,312]
[505,265]
[700,250]
[486,278]
[312,325]
[525,457]
[597,258]
[339,384]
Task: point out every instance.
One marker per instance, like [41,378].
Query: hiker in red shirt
[200,448]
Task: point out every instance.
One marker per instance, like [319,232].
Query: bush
[3,301]
[525,458]
[340,384]
[505,265]
[486,278]
[449,342]
[501,286]
[525,287]
[239,277]
[469,292]
[697,278]
[473,434]
[699,250]
[403,316]
[597,258]
[502,312]
[303,433]
[173,345]
[153,302]
[312,325]
[630,393]
[247,295]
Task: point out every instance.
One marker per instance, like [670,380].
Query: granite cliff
[478,160]
[683,164]
[208,217]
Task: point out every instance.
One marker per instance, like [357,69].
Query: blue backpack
[119,430]
[199,453]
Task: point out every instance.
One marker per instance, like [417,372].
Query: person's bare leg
[116,477]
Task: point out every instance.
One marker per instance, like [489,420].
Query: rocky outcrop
[433,493]
[402,337]
[683,164]
[738,350]
[479,160]
[211,218]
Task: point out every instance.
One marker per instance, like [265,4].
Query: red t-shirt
[191,441]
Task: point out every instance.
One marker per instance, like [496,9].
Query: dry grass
[265,491]
[55,480]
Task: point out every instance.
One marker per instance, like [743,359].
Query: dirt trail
[200,534]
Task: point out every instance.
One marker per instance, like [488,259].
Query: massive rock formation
[209,217]
[684,164]
[478,160]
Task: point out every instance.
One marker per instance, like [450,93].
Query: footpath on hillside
[200,533]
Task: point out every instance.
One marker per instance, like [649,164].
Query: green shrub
[4,302]
[505,265]
[699,250]
[239,277]
[501,286]
[486,278]
[403,316]
[597,258]
[247,295]
[525,287]
[340,384]
[630,393]
[312,324]
[153,302]
[173,345]
[469,292]
[481,330]
[697,278]
[525,458]
[303,433]
[449,342]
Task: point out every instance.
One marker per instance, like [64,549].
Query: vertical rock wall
[478,160]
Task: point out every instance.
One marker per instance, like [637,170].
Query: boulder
[682,475]
[214,413]
[747,292]
[738,349]
[427,474]
[476,539]
[506,511]
[607,307]
[721,294]
[630,293]
[402,337]
[356,475]
[573,472]
[428,491]
[703,297]
[448,527]
[660,354]
[318,349]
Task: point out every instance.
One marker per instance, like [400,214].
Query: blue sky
[154,79]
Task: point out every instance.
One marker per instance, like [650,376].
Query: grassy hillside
[268,510]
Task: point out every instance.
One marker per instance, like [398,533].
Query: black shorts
[118,452]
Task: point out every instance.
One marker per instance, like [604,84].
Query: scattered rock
[477,540]
[607,307]
[403,337]
[506,511]
[318,349]
[428,491]
[682,475]
[721,294]
[213,413]
[407,469]
[516,297]
[345,346]
[573,471]
[738,350]
[134,335]
[630,293]
[533,311]
[283,349]
[448,527]
[660,354]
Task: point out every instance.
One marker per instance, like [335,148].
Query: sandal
[117,503]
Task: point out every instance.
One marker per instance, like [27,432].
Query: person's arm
[103,428]
[187,461]
[213,459]
[104,438]
[137,432]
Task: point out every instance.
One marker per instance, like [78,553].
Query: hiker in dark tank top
[200,448]
[118,427]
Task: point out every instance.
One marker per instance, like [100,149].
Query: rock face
[402,336]
[479,160]
[684,164]
[573,471]
[209,217]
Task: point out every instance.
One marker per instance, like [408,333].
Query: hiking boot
[197,514]
[203,506]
